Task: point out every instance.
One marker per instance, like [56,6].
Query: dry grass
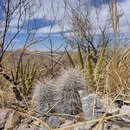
[110,80]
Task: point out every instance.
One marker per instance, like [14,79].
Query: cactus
[63,91]
[43,96]
[68,85]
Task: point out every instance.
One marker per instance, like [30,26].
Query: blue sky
[37,23]
[1,15]
[51,23]
[99,3]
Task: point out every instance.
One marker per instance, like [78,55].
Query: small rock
[4,113]
[13,120]
[41,127]
[54,122]
[117,127]
[82,127]
[23,127]
[125,109]
[33,127]
[83,93]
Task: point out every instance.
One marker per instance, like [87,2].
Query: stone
[92,107]
[54,122]
[23,126]
[4,113]
[125,109]
[41,127]
[13,120]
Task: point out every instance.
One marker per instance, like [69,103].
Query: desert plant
[80,58]
[68,84]
[13,78]
[119,77]
[44,96]
[70,58]
[98,64]
[89,67]
[26,76]
[62,91]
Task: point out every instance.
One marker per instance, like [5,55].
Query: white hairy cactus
[63,91]
[68,84]
[43,96]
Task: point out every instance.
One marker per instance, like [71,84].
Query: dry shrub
[6,94]
[119,78]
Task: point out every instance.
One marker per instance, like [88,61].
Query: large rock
[92,107]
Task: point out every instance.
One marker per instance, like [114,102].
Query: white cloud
[123,7]
[50,9]
[103,17]
[55,10]
[125,19]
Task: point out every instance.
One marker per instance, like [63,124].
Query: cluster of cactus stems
[63,90]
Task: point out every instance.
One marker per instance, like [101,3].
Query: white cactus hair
[69,83]
[43,95]
[63,90]
[71,78]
